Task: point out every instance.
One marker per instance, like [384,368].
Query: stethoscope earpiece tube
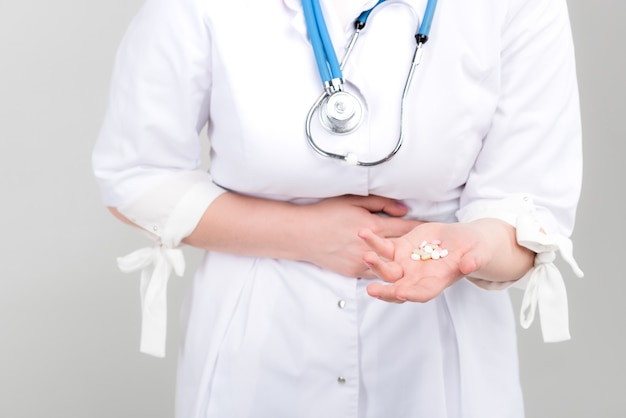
[316,40]
[325,56]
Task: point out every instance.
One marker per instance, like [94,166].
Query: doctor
[332,288]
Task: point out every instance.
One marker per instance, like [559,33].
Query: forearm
[324,233]
[249,226]
[244,225]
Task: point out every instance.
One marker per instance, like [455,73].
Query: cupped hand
[330,240]
[423,280]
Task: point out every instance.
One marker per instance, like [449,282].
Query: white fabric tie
[545,288]
[156,265]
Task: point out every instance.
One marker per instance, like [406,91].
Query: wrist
[503,259]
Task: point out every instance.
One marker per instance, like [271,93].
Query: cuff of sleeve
[169,213]
[171,210]
[187,213]
[544,288]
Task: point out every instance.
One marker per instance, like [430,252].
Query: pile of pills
[429,251]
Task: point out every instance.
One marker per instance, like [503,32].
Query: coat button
[341,380]
[341,304]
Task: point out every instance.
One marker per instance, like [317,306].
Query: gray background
[69,320]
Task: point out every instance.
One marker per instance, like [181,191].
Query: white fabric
[172,210]
[545,288]
[493,100]
[156,265]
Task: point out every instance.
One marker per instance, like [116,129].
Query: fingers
[383,292]
[389,271]
[381,259]
[382,246]
[381,204]
[394,208]
[399,292]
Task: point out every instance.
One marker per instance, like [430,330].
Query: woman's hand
[484,249]
[330,227]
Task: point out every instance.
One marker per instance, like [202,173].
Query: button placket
[346,306]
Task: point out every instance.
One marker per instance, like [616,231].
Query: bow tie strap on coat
[545,288]
[156,265]
[181,200]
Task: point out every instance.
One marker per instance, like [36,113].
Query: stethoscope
[341,112]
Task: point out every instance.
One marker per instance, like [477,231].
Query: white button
[341,304]
[341,380]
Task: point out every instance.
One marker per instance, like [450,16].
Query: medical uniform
[491,129]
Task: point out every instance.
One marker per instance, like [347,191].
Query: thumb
[469,263]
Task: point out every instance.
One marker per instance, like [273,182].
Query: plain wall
[70,321]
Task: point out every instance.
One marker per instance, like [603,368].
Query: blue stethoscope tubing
[325,56]
[330,69]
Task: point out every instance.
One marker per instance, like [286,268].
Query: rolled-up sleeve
[148,145]
[534,144]
[147,156]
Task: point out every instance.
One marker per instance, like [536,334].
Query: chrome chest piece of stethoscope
[341,112]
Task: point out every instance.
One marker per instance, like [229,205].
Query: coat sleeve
[147,156]
[529,170]
[534,144]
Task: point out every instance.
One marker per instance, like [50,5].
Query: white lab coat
[491,130]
